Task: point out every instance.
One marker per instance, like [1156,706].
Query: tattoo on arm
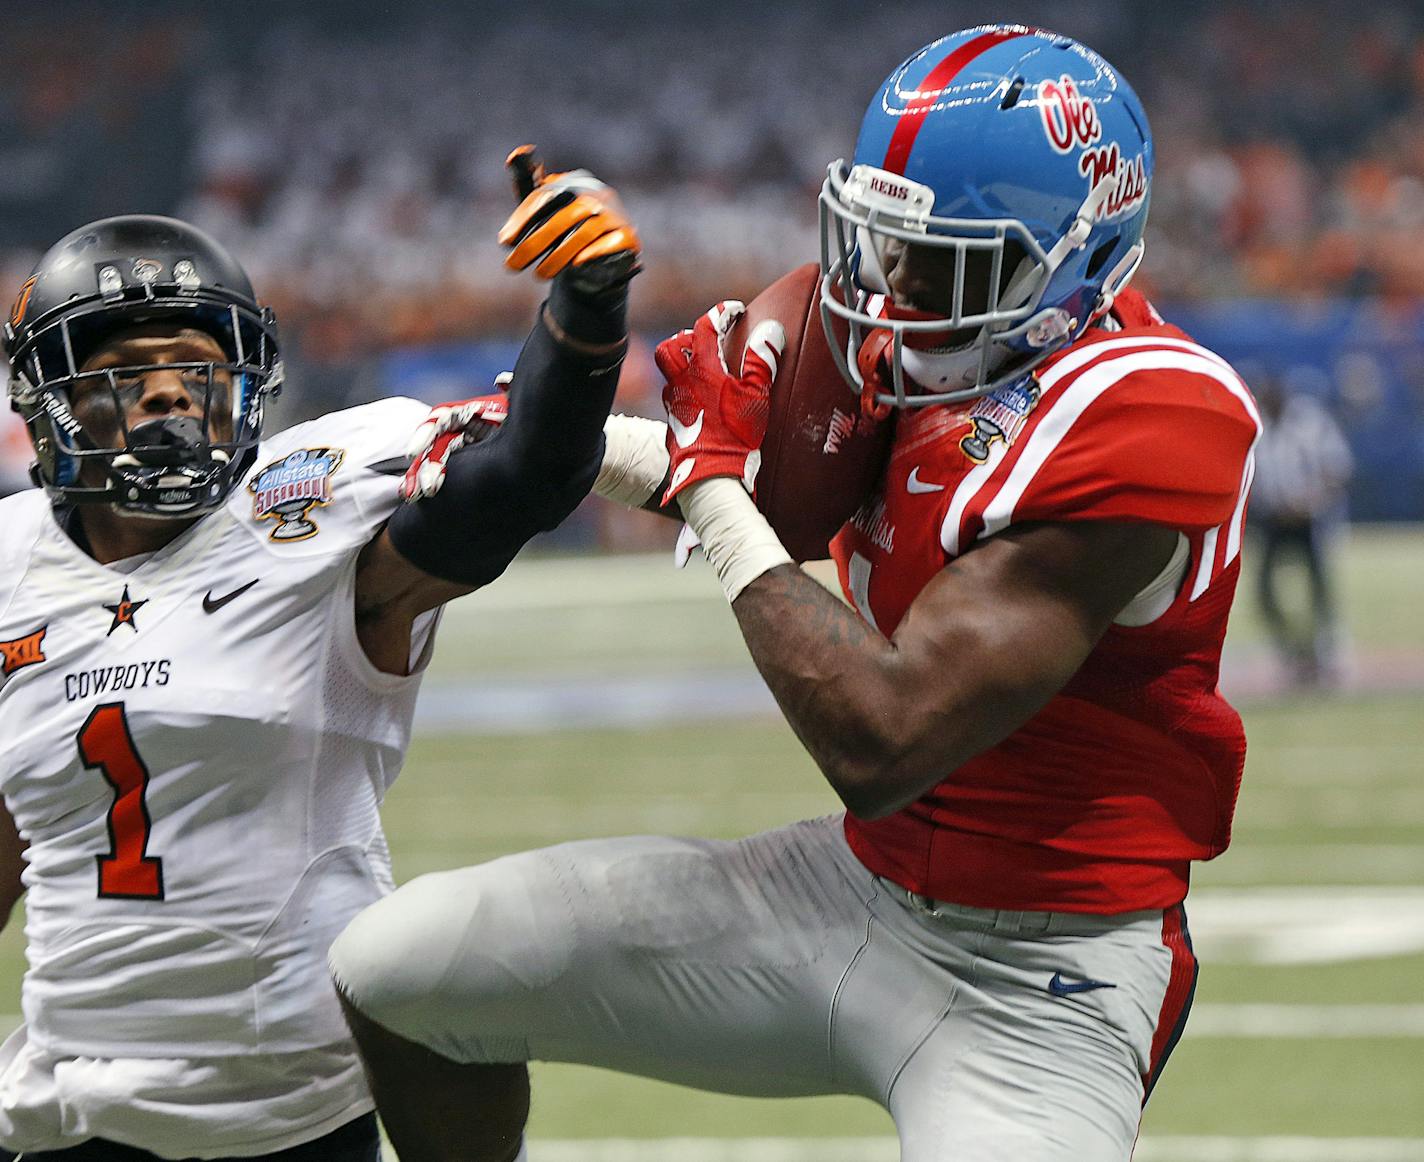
[786,601]
[815,654]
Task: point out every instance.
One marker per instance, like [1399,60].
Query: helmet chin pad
[950,370]
[944,359]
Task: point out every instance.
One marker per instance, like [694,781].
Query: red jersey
[1099,801]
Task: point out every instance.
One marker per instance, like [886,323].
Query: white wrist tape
[635,460]
[734,535]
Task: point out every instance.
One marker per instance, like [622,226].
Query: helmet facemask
[166,467]
[988,329]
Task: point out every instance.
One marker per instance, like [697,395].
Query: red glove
[448,427]
[717,420]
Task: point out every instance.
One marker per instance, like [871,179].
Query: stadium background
[350,154]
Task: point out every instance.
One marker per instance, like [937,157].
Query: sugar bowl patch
[286,491]
[999,418]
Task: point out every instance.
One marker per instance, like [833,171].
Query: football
[821,458]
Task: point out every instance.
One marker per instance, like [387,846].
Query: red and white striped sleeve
[1162,433]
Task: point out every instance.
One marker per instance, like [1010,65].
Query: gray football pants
[778,965]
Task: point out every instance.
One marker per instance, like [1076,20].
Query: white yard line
[1254,1021]
[1157,1148]
[1322,924]
[524,703]
[1278,1149]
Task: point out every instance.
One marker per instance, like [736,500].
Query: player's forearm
[564,383]
[536,467]
[852,697]
[814,654]
[848,694]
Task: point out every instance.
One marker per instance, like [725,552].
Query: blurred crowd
[351,154]
[365,170]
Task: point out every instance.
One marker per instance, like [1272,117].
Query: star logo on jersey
[286,491]
[20,652]
[124,611]
[998,418]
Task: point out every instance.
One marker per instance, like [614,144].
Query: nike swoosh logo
[916,485]
[1066,988]
[212,605]
[685,434]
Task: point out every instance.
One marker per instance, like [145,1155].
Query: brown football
[821,458]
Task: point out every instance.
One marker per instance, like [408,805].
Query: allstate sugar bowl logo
[288,489]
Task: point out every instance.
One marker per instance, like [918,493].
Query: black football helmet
[105,278]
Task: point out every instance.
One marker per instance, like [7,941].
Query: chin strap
[869,361]
[1083,222]
[1117,278]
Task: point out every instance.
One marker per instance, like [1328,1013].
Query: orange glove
[568,222]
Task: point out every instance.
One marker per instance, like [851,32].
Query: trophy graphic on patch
[976,445]
[288,489]
[998,418]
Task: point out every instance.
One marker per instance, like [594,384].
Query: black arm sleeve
[530,474]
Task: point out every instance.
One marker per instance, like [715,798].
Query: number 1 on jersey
[105,744]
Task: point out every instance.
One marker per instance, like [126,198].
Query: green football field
[584,697]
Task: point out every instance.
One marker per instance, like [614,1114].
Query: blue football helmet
[1011,169]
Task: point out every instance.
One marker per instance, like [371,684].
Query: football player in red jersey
[1020,712]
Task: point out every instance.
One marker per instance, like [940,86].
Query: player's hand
[717,420]
[570,224]
[448,428]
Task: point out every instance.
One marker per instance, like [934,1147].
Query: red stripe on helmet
[908,127]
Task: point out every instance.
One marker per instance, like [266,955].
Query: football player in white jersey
[211,648]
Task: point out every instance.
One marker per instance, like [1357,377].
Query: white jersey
[195,748]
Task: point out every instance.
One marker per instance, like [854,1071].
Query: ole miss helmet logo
[1071,121]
